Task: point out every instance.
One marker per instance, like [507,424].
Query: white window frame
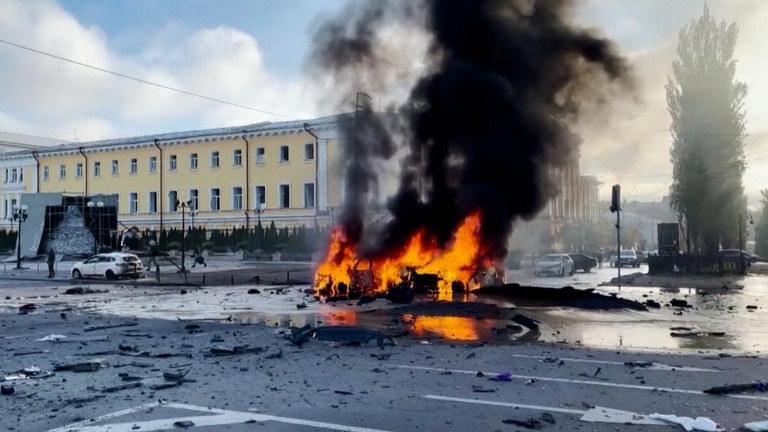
[150,202]
[215,159]
[133,167]
[194,202]
[261,159]
[306,147]
[115,167]
[193,161]
[256,196]
[14,175]
[304,195]
[133,205]
[79,170]
[280,155]
[97,168]
[46,173]
[280,195]
[152,164]
[172,201]
[62,171]
[234,198]
[210,199]
[173,163]
[237,157]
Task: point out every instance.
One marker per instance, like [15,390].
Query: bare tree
[706,103]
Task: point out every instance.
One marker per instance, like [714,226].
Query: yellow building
[285,172]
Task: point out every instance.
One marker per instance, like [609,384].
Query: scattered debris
[526,321]
[254,291]
[84,290]
[301,306]
[240,349]
[116,389]
[110,326]
[503,377]
[385,356]
[32,372]
[599,414]
[91,366]
[528,424]
[548,418]
[697,334]
[24,353]
[751,307]
[7,390]
[652,304]
[184,424]
[738,388]
[343,392]
[27,308]
[566,296]
[63,338]
[699,423]
[597,372]
[346,334]
[681,328]
[481,389]
[679,303]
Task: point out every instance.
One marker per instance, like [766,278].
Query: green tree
[706,103]
[761,227]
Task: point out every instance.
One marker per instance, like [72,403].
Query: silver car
[109,265]
[554,265]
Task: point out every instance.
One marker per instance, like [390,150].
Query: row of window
[14,175]
[214,203]
[237,160]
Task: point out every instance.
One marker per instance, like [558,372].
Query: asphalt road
[413,386]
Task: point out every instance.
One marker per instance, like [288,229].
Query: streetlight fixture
[258,211]
[742,266]
[19,215]
[100,206]
[184,206]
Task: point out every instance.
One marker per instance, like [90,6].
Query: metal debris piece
[481,389]
[528,424]
[84,290]
[274,356]
[117,388]
[738,388]
[241,349]
[184,424]
[110,326]
[343,392]
[344,334]
[91,366]
[7,390]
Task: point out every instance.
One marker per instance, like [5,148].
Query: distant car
[110,266]
[554,265]
[733,255]
[583,262]
[627,258]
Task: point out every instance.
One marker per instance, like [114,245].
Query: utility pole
[616,208]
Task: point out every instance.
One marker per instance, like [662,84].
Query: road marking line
[217,417]
[656,366]
[585,382]
[507,404]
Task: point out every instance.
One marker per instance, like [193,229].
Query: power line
[162,86]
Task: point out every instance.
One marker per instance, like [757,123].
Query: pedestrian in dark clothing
[51,261]
[153,252]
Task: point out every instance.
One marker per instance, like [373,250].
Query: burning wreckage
[481,139]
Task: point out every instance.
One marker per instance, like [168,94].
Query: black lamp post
[742,266]
[183,205]
[19,215]
[258,212]
[192,212]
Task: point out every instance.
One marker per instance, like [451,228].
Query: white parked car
[109,265]
[554,265]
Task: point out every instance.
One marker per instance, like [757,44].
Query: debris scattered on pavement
[301,306]
[528,424]
[27,308]
[598,414]
[384,356]
[751,307]
[566,296]
[32,372]
[110,326]
[84,290]
[254,291]
[548,418]
[652,304]
[240,349]
[118,388]
[275,356]
[345,334]
[184,424]
[526,321]
[502,377]
[679,303]
[697,334]
[481,389]
[90,366]
[7,390]
[738,388]
[699,423]
[343,392]
[63,338]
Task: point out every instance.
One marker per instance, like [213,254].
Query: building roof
[216,134]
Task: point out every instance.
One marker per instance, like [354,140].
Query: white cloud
[56,98]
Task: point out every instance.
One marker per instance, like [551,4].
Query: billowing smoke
[486,123]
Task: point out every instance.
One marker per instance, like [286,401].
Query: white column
[322,174]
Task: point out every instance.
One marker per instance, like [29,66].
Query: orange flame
[459,261]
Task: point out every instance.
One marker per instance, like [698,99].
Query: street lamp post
[100,206]
[258,212]
[192,213]
[742,266]
[19,215]
[184,205]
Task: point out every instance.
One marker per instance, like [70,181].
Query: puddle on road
[466,318]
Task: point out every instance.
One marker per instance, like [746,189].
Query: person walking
[152,255]
[51,261]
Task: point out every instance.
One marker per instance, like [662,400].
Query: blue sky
[283,28]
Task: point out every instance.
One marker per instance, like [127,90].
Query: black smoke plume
[486,124]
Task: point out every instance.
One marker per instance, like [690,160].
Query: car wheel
[110,275]
[76,274]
